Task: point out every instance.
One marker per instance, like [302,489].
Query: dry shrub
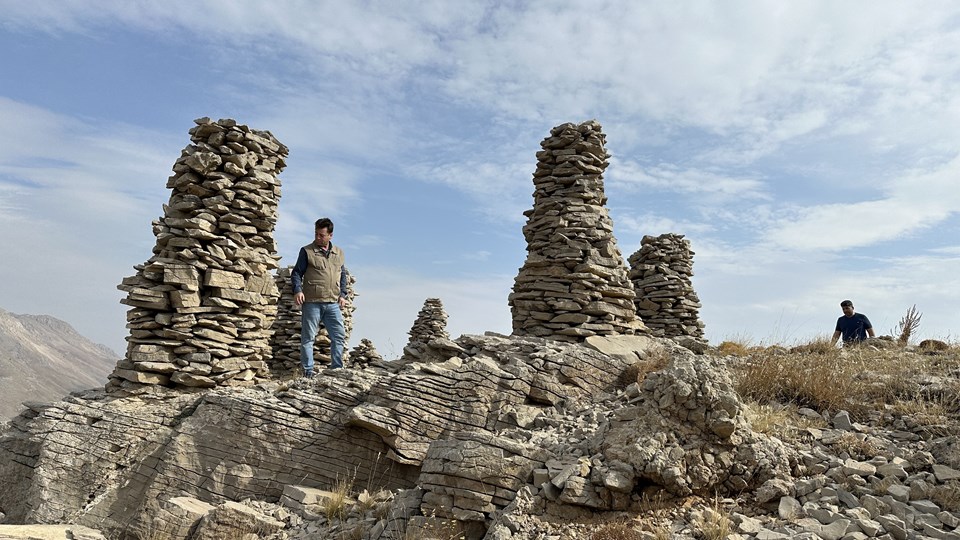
[908,325]
[781,421]
[638,371]
[947,496]
[616,531]
[821,381]
[858,446]
[733,348]
[715,522]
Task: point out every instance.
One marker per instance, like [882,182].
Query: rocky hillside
[43,359]
[513,438]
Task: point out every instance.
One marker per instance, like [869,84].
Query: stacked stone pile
[365,355]
[203,303]
[574,282]
[430,328]
[286,327]
[661,271]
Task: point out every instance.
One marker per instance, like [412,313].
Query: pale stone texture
[662,271]
[203,303]
[574,281]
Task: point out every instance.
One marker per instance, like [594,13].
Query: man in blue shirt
[854,327]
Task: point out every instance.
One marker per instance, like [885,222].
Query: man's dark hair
[845,303]
[324,223]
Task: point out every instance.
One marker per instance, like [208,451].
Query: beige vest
[321,281]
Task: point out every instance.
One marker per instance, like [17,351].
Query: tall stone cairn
[429,327]
[202,305]
[574,282]
[661,271]
[286,328]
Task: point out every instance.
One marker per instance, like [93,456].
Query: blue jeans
[310,317]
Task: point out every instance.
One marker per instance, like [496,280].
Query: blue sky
[810,151]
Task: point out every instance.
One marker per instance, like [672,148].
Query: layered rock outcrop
[574,282]
[203,303]
[661,272]
[504,416]
[285,341]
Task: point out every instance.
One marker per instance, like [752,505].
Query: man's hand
[299,298]
[343,302]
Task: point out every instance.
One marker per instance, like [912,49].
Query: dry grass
[826,379]
[715,522]
[781,421]
[335,507]
[733,348]
[431,527]
[616,531]
[947,496]
[857,446]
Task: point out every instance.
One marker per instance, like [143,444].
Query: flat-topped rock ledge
[662,271]
[574,282]
[202,305]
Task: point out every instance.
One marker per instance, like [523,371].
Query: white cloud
[914,201]
[669,178]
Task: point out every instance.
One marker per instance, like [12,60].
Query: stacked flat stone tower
[574,282]
[429,327]
[364,355]
[661,271]
[202,305]
[285,342]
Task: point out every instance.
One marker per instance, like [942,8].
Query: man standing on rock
[320,288]
[854,327]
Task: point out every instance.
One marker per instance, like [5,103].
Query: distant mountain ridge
[43,358]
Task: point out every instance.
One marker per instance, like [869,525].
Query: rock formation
[365,355]
[285,342]
[511,438]
[661,271]
[574,282]
[203,303]
[429,327]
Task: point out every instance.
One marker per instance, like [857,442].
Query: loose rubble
[661,271]
[203,303]
[574,282]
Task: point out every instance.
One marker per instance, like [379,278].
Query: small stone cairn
[286,328]
[202,305]
[365,355]
[661,272]
[430,327]
[574,282]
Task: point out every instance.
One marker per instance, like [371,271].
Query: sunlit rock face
[202,305]
[574,281]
